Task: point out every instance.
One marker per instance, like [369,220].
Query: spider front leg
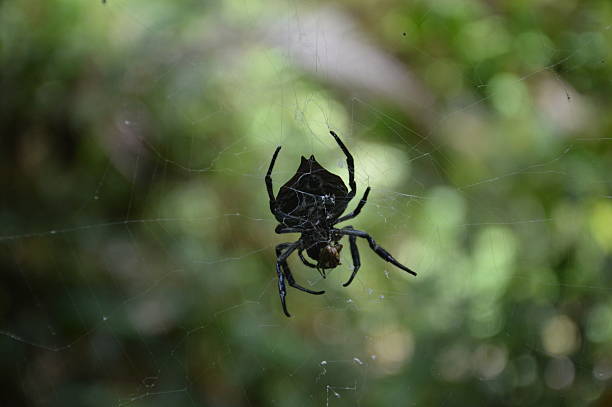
[283,271]
[382,253]
[357,210]
[269,181]
[275,211]
[350,163]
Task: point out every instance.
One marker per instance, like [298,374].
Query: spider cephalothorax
[311,203]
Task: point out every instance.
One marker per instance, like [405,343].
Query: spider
[312,203]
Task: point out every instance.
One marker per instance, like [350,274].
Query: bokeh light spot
[560,336]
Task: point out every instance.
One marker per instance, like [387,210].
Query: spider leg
[282,259]
[283,271]
[349,163]
[354,255]
[357,210]
[282,290]
[269,181]
[306,262]
[311,265]
[320,269]
[285,229]
[385,255]
[293,284]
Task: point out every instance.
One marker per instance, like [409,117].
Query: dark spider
[311,203]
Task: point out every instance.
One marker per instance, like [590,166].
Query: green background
[136,243]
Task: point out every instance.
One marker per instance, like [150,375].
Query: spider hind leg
[350,163]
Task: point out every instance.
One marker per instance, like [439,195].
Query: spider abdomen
[312,196]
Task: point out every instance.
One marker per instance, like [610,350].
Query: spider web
[143,272]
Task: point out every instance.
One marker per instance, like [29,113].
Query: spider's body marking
[311,203]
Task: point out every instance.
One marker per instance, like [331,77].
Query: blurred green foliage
[137,248]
